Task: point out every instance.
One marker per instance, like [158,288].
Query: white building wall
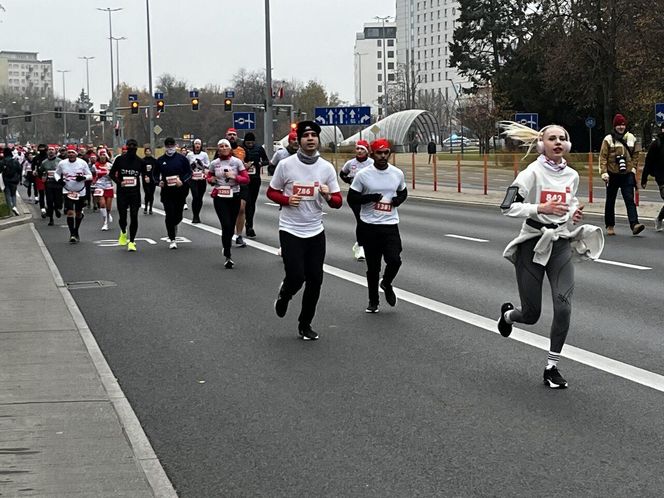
[22,72]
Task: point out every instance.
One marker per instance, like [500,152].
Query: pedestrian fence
[481,173]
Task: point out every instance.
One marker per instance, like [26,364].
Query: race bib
[99,192]
[251,170]
[73,196]
[224,192]
[552,195]
[129,181]
[171,181]
[148,167]
[197,175]
[383,205]
[306,190]
[50,174]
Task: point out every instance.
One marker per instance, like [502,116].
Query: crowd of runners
[83,181]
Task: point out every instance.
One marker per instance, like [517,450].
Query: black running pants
[131,201]
[197,191]
[381,242]
[250,208]
[173,199]
[227,210]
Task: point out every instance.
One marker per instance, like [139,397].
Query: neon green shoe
[131,246]
[123,239]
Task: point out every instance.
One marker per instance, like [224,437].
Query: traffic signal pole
[268,125]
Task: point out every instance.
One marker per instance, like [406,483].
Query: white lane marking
[626,265]
[603,363]
[463,237]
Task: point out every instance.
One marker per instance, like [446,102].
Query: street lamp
[151,100]
[456,100]
[359,79]
[117,62]
[64,103]
[268,125]
[110,44]
[87,77]
[383,19]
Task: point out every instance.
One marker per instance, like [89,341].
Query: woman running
[103,191]
[199,161]
[153,174]
[347,174]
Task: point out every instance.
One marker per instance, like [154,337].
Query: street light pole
[110,45]
[117,82]
[151,118]
[383,19]
[64,103]
[268,125]
[87,78]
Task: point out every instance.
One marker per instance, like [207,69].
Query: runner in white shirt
[300,184]
[379,189]
[72,173]
[347,174]
[199,161]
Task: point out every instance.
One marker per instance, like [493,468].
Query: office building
[23,73]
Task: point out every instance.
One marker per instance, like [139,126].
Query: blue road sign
[244,120]
[132,97]
[330,116]
[590,122]
[159,95]
[659,113]
[193,94]
[530,119]
[229,94]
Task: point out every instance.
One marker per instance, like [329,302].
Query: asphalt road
[419,400]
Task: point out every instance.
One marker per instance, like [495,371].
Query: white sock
[507,317]
[552,360]
[104,214]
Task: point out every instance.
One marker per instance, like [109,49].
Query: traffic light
[28,116]
[228,104]
[4,120]
[102,115]
[194,104]
[58,112]
[134,107]
[81,114]
[161,106]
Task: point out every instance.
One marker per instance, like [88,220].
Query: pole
[64,104]
[459,173]
[87,78]
[486,174]
[590,177]
[151,117]
[268,125]
[110,46]
[435,174]
[413,167]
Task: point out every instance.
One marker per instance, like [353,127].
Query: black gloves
[344,176]
[367,198]
[61,181]
[80,178]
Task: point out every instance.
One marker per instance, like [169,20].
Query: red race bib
[551,195]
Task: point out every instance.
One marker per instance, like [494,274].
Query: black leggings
[173,199]
[197,191]
[530,278]
[380,242]
[227,210]
[131,200]
[53,200]
[250,208]
[149,189]
[356,208]
[303,263]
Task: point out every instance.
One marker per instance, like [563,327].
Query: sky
[199,41]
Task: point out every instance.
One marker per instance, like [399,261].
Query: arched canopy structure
[402,129]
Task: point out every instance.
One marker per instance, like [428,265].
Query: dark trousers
[53,199]
[381,242]
[356,208]
[197,191]
[173,199]
[227,210]
[149,189]
[660,216]
[250,208]
[303,263]
[131,201]
[626,184]
[41,194]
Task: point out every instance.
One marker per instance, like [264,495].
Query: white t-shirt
[372,180]
[68,171]
[292,175]
[538,183]
[279,156]
[198,171]
[353,167]
[218,167]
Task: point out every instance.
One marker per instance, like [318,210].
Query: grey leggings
[530,278]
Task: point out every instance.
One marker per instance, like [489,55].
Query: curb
[14,221]
[138,441]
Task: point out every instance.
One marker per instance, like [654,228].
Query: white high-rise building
[375,64]
[22,72]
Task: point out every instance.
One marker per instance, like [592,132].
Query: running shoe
[228,264]
[390,296]
[372,308]
[360,254]
[356,250]
[36,200]
[73,240]
[307,333]
[281,304]
[186,208]
[122,240]
[553,379]
[15,210]
[43,213]
[57,213]
[131,246]
[196,220]
[104,227]
[110,218]
[637,228]
[250,233]
[658,224]
[505,328]
[239,241]
[173,245]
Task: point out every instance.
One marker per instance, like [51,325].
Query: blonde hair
[525,134]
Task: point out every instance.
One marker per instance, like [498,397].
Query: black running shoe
[372,308]
[229,264]
[390,296]
[196,220]
[553,379]
[50,222]
[505,328]
[73,240]
[281,305]
[57,213]
[250,233]
[239,241]
[307,333]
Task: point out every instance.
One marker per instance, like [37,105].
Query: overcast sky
[200,41]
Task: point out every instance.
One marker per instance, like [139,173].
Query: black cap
[132,143]
[304,126]
[169,141]
[249,136]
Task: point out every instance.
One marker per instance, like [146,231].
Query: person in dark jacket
[431,150]
[11,175]
[174,175]
[152,171]
[255,158]
[654,166]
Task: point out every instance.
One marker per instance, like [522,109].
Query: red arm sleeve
[242,177]
[277,196]
[335,200]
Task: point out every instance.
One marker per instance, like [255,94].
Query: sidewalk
[66,428]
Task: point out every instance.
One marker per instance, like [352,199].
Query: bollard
[486,175]
[590,177]
[413,160]
[435,174]
[459,173]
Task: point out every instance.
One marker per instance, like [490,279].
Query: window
[379,54]
[390,65]
[390,43]
[379,66]
[379,43]
[390,54]
[380,100]
[390,77]
[380,88]
[380,76]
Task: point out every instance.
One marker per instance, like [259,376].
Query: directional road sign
[590,122]
[244,120]
[530,119]
[133,97]
[329,116]
[158,95]
[659,113]
[229,94]
[193,94]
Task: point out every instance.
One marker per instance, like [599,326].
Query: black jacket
[11,171]
[654,164]
[256,156]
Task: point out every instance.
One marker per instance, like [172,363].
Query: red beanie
[364,144]
[292,136]
[618,120]
[380,144]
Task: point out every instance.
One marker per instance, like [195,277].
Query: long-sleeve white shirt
[69,170]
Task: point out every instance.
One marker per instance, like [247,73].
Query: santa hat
[363,144]
[380,144]
[102,153]
[231,130]
[292,136]
[72,148]
[619,120]
[223,141]
[198,141]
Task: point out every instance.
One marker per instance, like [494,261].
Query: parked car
[455,142]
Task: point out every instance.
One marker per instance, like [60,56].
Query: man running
[174,173]
[255,159]
[199,161]
[53,190]
[300,185]
[127,172]
[72,173]
[379,189]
